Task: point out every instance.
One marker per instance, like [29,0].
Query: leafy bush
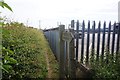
[23,52]
[106,68]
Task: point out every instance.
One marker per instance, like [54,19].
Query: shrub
[22,52]
[108,68]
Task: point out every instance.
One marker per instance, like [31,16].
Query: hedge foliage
[106,68]
[23,54]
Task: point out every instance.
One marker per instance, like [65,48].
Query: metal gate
[75,46]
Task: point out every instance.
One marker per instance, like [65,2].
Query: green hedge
[23,52]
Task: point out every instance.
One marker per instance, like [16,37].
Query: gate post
[61,45]
[72,54]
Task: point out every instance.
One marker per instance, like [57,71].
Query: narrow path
[48,66]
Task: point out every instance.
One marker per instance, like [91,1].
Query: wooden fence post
[72,54]
[61,43]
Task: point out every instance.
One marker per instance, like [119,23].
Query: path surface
[48,66]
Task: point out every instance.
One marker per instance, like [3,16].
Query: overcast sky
[49,12]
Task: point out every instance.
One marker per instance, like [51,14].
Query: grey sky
[52,11]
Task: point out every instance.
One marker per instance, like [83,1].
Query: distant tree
[5,5]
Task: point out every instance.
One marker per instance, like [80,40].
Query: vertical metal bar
[108,41]
[82,46]
[103,40]
[88,38]
[50,39]
[118,41]
[93,39]
[55,41]
[77,39]
[48,35]
[57,44]
[113,39]
[52,44]
[98,41]
[72,24]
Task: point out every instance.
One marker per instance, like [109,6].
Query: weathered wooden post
[61,44]
[72,54]
[68,37]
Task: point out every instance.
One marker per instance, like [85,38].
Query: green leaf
[1,4]
[1,67]
[6,5]
[10,51]
[7,67]
[4,69]
[7,50]
[12,60]
[9,60]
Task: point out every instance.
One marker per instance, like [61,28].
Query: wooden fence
[75,46]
